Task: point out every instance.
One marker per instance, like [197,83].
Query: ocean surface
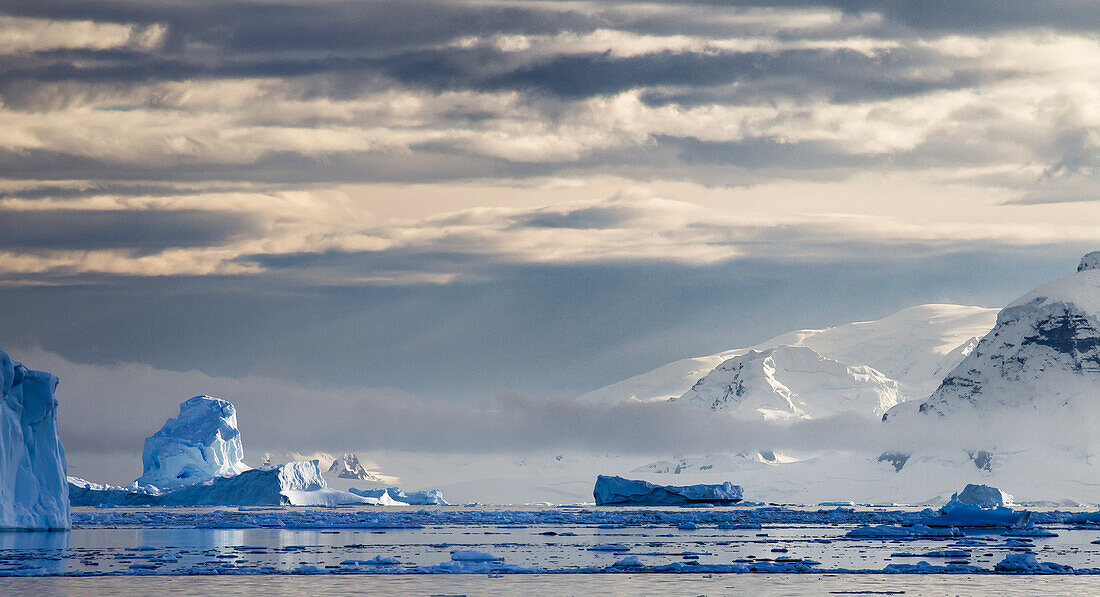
[567,550]
[625,585]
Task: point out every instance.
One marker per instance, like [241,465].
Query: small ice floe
[1025,563]
[926,568]
[609,547]
[628,562]
[735,526]
[687,526]
[472,555]
[917,531]
[939,553]
[375,561]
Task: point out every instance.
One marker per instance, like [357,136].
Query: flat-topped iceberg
[617,491]
[200,444]
[33,491]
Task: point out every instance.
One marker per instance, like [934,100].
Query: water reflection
[35,552]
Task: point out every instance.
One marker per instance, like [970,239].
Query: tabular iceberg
[617,491]
[33,491]
[200,444]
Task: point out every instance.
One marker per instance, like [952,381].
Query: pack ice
[33,491]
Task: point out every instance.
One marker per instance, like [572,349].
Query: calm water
[105,550]
[554,585]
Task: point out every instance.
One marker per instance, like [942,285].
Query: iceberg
[200,444]
[393,496]
[295,483]
[197,459]
[957,513]
[982,495]
[617,491]
[33,491]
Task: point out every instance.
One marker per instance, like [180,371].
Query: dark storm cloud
[145,231]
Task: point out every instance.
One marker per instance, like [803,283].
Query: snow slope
[791,382]
[349,467]
[201,443]
[33,491]
[1044,352]
[915,347]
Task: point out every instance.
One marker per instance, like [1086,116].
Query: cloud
[109,410]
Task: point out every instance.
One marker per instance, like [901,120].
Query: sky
[448,202]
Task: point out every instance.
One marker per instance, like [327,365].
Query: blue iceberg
[617,491]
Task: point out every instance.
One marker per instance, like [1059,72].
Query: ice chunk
[901,532]
[200,444]
[472,555]
[1025,563]
[34,493]
[617,491]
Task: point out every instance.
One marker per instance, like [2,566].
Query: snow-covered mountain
[791,382]
[349,467]
[865,366]
[1043,352]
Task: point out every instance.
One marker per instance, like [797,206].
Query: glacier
[33,490]
[202,443]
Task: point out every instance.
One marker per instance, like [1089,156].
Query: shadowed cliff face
[1073,335]
[1043,352]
